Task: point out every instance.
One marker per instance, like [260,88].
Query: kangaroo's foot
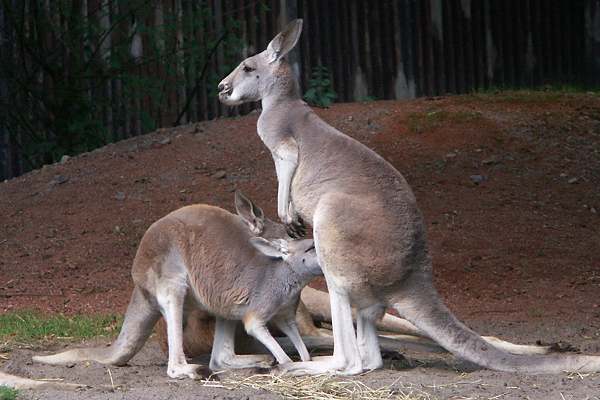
[182,371]
[243,361]
[322,365]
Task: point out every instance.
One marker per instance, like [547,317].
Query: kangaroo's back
[211,243]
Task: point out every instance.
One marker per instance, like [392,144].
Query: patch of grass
[7,393]
[31,326]
[542,94]
[419,122]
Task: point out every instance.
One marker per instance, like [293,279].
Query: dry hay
[320,387]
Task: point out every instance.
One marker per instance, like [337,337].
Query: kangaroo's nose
[223,87]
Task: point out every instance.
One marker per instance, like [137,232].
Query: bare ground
[516,254]
[425,376]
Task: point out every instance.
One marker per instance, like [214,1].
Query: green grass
[7,393]
[419,122]
[31,326]
[542,94]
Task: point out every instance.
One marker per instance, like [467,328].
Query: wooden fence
[373,49]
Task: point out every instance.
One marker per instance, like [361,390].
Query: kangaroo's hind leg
[171,298]
[366,333]
[223,350]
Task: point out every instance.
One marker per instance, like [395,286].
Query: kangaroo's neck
[282,88]
[291,280]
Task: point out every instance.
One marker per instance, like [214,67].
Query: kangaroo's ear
[284,41]
[273,248]
[251,213]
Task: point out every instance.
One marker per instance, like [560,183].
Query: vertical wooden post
[592,42]
[4,138]
[180,76]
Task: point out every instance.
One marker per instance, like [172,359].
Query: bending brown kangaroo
[205,257]
[369,232]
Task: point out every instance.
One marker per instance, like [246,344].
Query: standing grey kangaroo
[202,256]
[369,233]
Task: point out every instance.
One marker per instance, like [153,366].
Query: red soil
[521,245]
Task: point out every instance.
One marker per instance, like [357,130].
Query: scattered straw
[320,387]
[112,382]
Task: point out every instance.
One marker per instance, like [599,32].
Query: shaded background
[75,75]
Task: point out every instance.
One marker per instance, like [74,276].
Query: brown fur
[202,257]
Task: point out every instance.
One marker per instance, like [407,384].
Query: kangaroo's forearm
[286,162]
[285,173]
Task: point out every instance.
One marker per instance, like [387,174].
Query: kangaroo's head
[255,218]
[265,73]
[299,255]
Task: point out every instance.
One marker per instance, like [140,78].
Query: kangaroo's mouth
[226,92]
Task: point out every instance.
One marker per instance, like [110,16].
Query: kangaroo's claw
[296,229]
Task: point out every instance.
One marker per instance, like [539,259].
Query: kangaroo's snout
[224,88]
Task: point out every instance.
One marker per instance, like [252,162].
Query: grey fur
[369,232]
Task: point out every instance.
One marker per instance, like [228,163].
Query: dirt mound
[509,186]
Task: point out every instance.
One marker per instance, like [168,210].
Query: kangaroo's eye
[247,68]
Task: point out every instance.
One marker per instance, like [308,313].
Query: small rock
[64,159]
[563,175]
[220,174]
[120,196]
[59,180]
[351,118]
[373,125]
[490,160]
[166,140]
[451,155]
[573,180]
[477,179]
[593,210]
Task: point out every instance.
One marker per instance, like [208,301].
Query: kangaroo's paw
[182,371]
[321,365]
[243,361]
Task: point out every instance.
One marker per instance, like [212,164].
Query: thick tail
[388,343]
[16,382]
[423,307]
[317,304]
[140,318]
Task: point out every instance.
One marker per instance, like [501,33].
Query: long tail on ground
[387,343]
[422,306]
[140,318]
[317,303]
[16,382]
